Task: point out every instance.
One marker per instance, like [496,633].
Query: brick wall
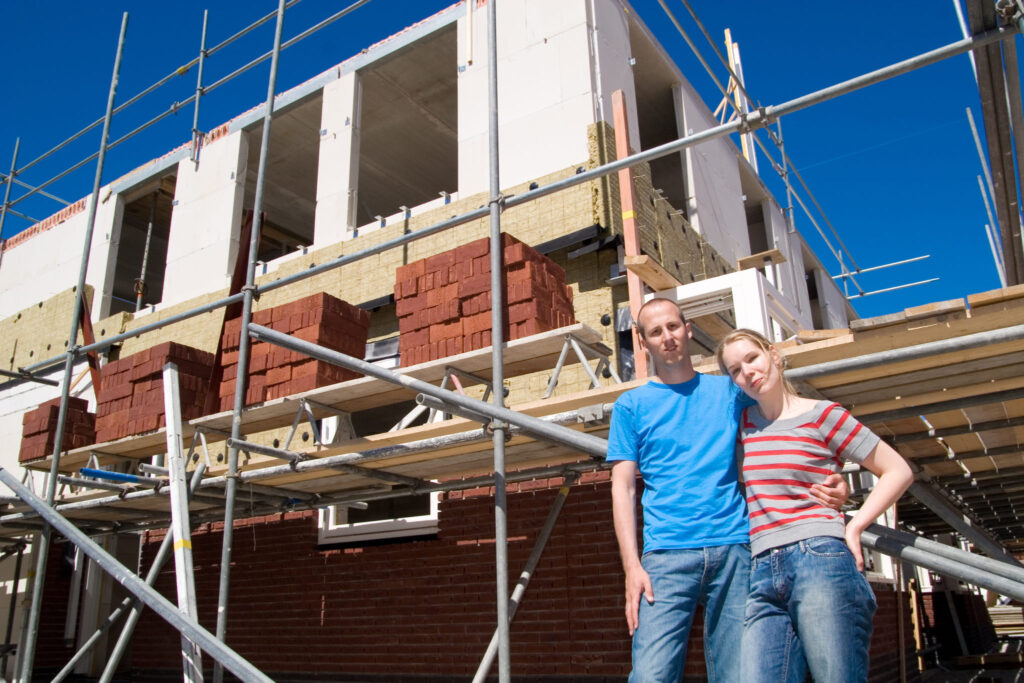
[422,609]
[886,641]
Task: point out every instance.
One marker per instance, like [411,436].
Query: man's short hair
[640,328]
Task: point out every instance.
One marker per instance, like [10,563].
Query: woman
[809,605]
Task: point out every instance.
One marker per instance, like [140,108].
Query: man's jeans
[715,577]
[808,607]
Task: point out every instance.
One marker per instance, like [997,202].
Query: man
[679,431]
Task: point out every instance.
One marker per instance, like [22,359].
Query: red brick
[437,261]
[410,305]
[473,285]
[439,295]
[411,271]
[445,331]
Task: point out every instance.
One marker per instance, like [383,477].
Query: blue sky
[894,166]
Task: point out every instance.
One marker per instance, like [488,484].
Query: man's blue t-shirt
[683,439]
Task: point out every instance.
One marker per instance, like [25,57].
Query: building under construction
[324,396]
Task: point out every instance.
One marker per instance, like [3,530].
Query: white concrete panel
[831,301]
[104,255]
[544,93]
[611,68]
[714,190]
[338,164]
[50,261]
[791,273]
[205,222]
[552,139]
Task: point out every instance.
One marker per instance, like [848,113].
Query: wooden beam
[811,336]
[995,296]
[651,272]
[761,259]
[630,234]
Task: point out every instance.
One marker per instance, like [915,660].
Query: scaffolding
[573,449]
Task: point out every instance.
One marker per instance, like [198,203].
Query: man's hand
[638,583]
[831,493]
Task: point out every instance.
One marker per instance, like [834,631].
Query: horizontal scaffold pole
[963,567]
[159,604]
[988,564]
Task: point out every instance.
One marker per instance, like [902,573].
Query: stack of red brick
[443,302]
[39,429]
[274,372]
[131,397]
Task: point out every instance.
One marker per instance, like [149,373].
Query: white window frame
[334,526]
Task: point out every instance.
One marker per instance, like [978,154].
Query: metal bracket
[304,411]
[584,353]
[344,430]
[451,374]
[591,415]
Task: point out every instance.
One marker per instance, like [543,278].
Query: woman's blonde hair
[759,340]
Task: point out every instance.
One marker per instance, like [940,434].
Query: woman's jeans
[716,577]
[809,607]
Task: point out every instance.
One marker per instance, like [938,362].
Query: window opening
[408,141]
[289,189]
[657,117]
[153,200]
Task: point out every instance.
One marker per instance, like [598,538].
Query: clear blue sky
[894,166]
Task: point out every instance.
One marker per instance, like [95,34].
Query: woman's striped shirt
[783,458]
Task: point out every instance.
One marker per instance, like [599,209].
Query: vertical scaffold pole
[197,135]
[10,612]
[497,351]
[231,488]
[32,628]
[191,657]
[140,285]
[164,552]
[7,191]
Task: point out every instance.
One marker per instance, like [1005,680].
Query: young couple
[782,579]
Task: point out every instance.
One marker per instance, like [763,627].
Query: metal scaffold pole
[192,661]
[32,628]
[527,573]
[158,603]
[497,346]
[244,347]
[7,190]
[197,135]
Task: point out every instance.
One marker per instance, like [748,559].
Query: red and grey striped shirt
[783,458]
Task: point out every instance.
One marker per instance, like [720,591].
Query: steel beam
[960,522]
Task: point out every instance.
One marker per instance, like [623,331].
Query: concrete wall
[831,301]
[790,275]
[49,261]
[544,92]
[610,66]
[205,223]
[338,164]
